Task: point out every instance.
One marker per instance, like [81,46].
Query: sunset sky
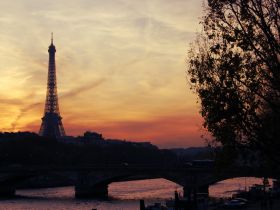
[120,67]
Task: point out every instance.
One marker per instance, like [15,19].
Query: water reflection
[123,195]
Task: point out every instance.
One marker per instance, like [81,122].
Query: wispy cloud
[22,113]
[69,94]
[10,101]
[83,88]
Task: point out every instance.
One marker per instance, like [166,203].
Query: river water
[123,196]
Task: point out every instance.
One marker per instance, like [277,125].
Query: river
[123,195]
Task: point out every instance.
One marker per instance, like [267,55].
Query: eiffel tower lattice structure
[52,121]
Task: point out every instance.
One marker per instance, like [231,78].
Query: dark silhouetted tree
[234,67]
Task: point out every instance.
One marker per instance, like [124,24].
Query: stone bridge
[93,181]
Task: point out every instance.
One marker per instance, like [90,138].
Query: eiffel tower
[52,121]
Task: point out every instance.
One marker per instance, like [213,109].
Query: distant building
[92,137]
[145,144]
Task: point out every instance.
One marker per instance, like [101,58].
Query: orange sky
[120,67]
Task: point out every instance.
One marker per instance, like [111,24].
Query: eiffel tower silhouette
[52,121]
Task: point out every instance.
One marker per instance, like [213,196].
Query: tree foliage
[234,67]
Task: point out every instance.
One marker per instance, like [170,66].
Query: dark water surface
[123,196]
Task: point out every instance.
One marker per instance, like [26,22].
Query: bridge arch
[94,184]
[215,178]
[11,182]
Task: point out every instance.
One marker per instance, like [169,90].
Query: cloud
[6,100]
[69,94]
[22,113]
[83,88]
[10,101]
